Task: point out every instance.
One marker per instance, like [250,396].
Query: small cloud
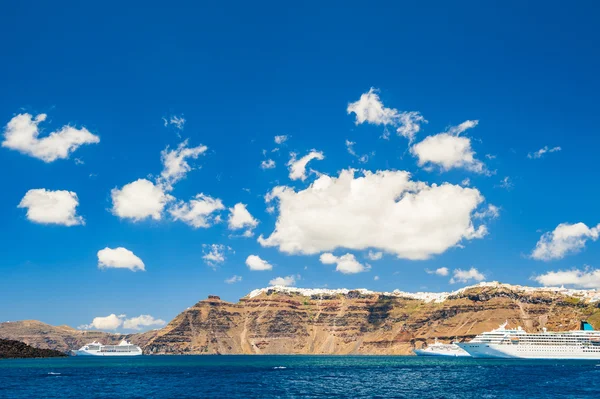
[52,207]
[442,271]
[233,279]
[565,239]
[492,212]
[240,218]
[119,258]
[254,262]
[281,139]
[177,121]
[375,255]
[267,164]
[376,278]
[506,184]
[464,276]
[346,264]
[284,281]
[539,153]
[586,278]
[214,254]
[297,167]
[145,320]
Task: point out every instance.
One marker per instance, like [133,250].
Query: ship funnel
[585,326]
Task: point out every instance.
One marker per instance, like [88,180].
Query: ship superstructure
[517,343]
[124,348]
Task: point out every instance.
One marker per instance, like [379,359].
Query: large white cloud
[139,200]
[297,167]
[383,210]
[578,278]
[198,212]
[449,150]
[142,321]
[370,109]
[52,207]
[254,262]
[22,134]
[284,281]
[464,276]
[346,264]
[119,258]
[240,218]
[175,165]
[565,239]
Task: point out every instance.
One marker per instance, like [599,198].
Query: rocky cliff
[281,320]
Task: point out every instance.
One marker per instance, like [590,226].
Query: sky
[154,154]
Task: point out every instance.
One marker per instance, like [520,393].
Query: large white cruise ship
[437,349]
[97,349]
[517,343]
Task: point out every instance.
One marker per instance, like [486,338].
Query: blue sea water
[296,377]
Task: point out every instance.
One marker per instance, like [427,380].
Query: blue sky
[241,75]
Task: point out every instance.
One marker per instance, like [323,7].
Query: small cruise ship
[517,343]
[437,349]
[125,348]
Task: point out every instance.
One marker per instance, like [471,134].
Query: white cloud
[267,164]
[577,278]
[240,218]
[22,134]
[506,184]
[492,212]
[254,262]
[539,153]
[281,139]
[145,320]
[566,238]
[376,278]
[464,276]
[110,322]
[233,279]
[375,255]
[198,212]
[177,121]
[350,148]
[346,264]
[466,182]
[449,150]
[410,219]
[119,258]
[175,165]
[52,207]
[284,281]
[409,124]
[370,109]
[139,200]
[297,167]
[442,271]
[215,254]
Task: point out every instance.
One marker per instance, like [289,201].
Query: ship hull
[88,353]
[495,351]
[423,352]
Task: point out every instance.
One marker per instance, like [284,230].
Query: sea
[265,376]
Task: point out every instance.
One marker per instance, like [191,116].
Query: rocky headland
[15,349]
[284,320]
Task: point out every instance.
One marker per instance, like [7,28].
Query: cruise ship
[517,343]
[97,349]
[437,349]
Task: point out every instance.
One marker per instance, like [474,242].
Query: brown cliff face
[355,322]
